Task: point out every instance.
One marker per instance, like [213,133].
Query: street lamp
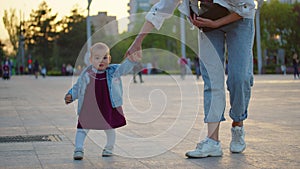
[258,45]
[182,34]
[88,31]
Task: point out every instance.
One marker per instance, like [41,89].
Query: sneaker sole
[78,158]
[236,152]
[106,155]
[204,156]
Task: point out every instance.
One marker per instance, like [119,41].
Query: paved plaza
[164,120]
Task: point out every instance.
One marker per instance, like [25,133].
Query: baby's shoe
[107,152]
[78,154]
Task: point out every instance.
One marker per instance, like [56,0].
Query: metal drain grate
[35,138]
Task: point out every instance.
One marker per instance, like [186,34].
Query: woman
[295,65]
[237,30]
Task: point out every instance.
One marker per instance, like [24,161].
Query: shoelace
[199,145]
[236,136]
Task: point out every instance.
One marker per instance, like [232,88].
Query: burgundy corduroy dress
[97,111]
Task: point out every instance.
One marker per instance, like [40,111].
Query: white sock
[110,138]
[79,139]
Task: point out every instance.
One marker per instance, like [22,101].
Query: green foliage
[71,38]
[279,26]
[55,42]
[118,50]
[54,73]
[41,33]
[270,69]
[295,34]
[1,51]
[12,25]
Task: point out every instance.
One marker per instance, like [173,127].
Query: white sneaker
[206,148]
[237,144]
[107,153]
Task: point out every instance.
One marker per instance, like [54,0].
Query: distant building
[101,20]
[138,6]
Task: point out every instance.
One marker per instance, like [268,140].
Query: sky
[116,8]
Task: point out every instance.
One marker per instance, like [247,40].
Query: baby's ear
[90,59]
[109,58]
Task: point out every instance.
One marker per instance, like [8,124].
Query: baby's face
[100,59]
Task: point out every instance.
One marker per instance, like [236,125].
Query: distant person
[137,70]
[36,68]
[44,71]
[69,70]
[29,69]
[1,67]
[295,65]
[183,66]
[8,63]
[197,67]
[149,68]
[63,70]
[99,93]
[21,69]
[5,71]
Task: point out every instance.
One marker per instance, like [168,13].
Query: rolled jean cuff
[214,120]
[238,118]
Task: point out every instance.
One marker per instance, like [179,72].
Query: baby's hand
[68,99]
[134,53]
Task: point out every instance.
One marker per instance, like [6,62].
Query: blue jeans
[237,38]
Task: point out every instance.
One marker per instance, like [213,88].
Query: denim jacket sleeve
[79,86]
[124,68]
[161,11]
[74,90]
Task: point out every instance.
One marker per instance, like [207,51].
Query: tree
[41,33]
[295,34]
[1,51]
[72,37]
[11,23]
[278,22]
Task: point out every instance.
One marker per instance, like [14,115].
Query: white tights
[81,135]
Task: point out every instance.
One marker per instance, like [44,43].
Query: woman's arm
[134,53]
[154,19]
[203,22]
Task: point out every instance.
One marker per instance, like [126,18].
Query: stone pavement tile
[172,164]
[22,167]
[261,159]
[10,118]
[21,148]
[221,163]
[74,165]
[272,129]
[55,159]
[59,148]
[42,130]
[168,160]
[117,163]
[12,131]
[13,159]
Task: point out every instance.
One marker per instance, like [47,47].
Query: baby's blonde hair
[100,46]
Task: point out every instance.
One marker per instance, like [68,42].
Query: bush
[54,73]
[270,69]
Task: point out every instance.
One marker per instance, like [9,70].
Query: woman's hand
[203,22]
